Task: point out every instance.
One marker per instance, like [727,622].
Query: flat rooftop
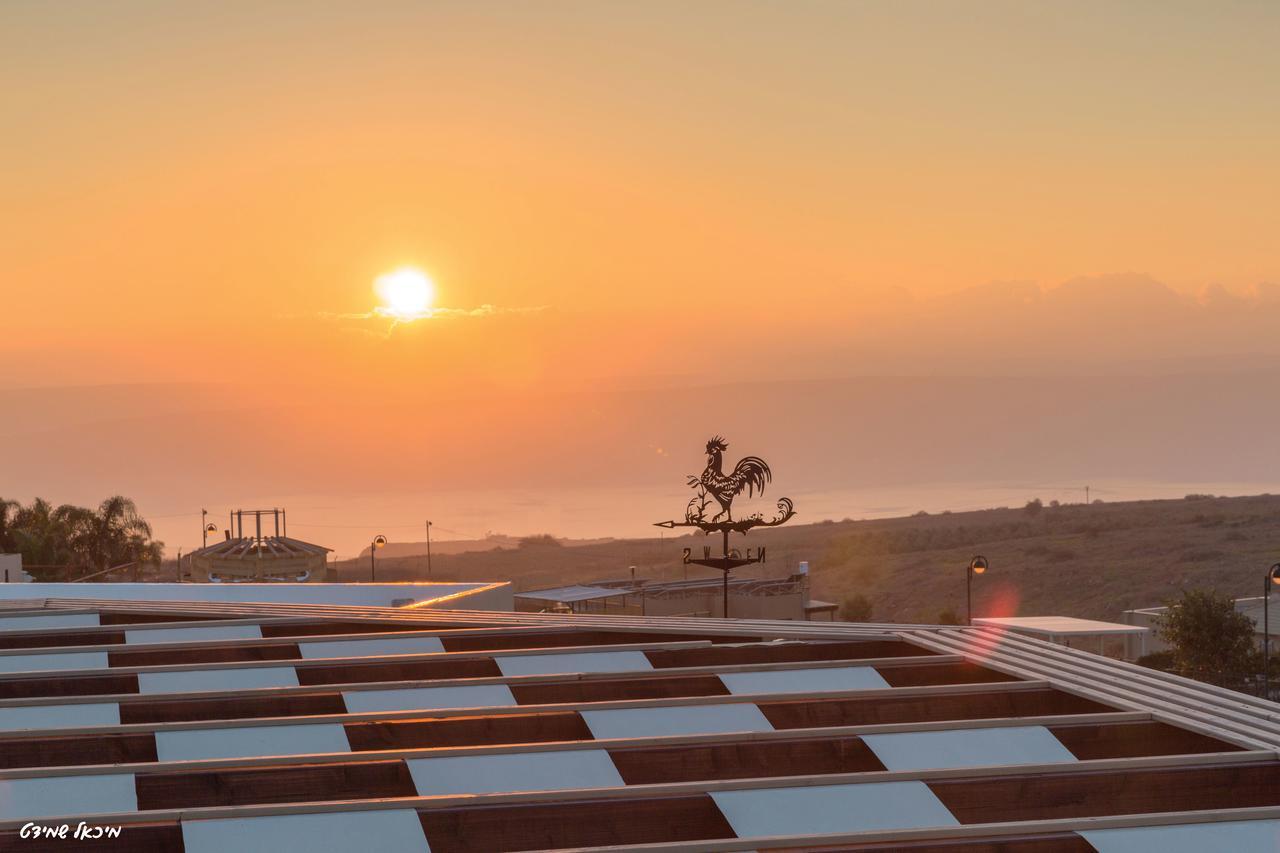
[488,596]
[204,727]
[1059,626]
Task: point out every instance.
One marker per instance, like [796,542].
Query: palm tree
[73,536]
[117,534]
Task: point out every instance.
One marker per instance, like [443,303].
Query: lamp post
[378,542]
[206,527]
[1272,579]
[428,547]
[977,566]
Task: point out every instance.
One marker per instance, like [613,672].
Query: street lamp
[977,566]
[379,541]
[206,527]
[428,547]
[1272,579]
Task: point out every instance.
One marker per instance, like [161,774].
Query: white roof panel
[202,680]
[804,680]
[54,661]
[60,716]
[386,831]
[251,741]
[368,648]
[1188,838]
[832,808]
[516,771]
[41,622]
[626,661]
[67,795]
[429,698]
[1058,625]
[968,748]
[193,634]
[676,720]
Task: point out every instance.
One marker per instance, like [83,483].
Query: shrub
[1162,661]
[857,608]
[541,540]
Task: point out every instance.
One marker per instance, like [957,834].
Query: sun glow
[406,293]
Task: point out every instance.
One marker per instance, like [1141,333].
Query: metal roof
[567,594]
[264,547]
[208,726]
[660,589]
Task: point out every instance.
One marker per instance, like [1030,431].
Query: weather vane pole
[751,475]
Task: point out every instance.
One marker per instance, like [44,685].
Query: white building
[11,569]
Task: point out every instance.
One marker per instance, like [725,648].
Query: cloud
[397,318]
[485,310]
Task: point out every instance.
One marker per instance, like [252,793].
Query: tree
[8,512]
[68,535]
[116,534]
[45,535]
[1210,641]
[857,608]
[1033,507]
[540,540]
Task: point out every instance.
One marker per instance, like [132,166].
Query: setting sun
[406,293]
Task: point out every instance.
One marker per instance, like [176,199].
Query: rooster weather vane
[716,488]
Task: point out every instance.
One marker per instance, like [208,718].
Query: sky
[613,196]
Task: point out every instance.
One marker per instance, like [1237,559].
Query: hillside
[1081,560]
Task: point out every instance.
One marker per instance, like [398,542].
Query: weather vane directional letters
[716,488]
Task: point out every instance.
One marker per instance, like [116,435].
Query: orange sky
[646,194]
[198,185]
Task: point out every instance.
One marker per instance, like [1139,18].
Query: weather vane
[751,475]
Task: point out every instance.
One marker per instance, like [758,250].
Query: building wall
[497,596]
[1146,619]
[11,569]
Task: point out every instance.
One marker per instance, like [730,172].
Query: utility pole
[428,547]
[204,528]
[1086,495]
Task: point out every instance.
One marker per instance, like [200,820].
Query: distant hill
[1090,561]
[397,550]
